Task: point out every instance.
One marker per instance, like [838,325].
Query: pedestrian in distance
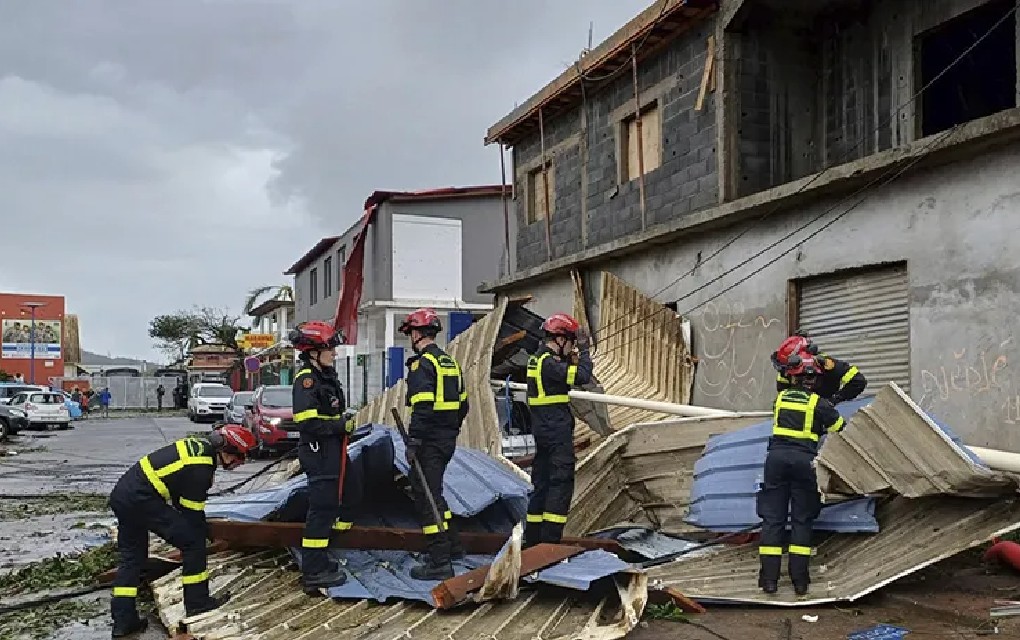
[105,398]
[439,404]
[160,392]
[552,371]
[790,489]
[319,406]
[165,493]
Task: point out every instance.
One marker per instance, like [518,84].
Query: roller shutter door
[861,317]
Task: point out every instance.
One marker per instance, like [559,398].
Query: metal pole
[506,207]
[31,360]
[440,521]
[640,134]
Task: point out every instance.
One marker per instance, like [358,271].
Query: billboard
[17,339]
[257,341]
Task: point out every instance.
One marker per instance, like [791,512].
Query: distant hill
[98,360]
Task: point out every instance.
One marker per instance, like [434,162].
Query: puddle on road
[31,539]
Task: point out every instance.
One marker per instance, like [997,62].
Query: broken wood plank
[510,339]
[159,566]
[449,593]
[240,535]
[683,602]
[707,75]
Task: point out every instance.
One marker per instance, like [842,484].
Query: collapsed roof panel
[914,533]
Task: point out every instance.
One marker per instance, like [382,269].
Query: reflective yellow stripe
[125,592]
[848,376]
[571,374]
[430,530]
[799,402]
[424,396]
[554,517]
[837,425]
[770,551]
[442,372]
[798,550]
[534,517]
[301,416]
[535,373]
[340,525]
[314,543]
[192,504]
[463,396]
[349,427]
[195,578]
[782,378]
[154,480]
[448,515]
[302,372]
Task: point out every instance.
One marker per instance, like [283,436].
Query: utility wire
[818,176]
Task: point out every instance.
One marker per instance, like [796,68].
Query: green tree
[218,326]
[174,333]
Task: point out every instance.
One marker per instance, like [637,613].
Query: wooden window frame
[535,187]
[652,105]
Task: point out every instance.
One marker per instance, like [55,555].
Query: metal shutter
[862,317]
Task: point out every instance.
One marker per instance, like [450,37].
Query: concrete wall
[325,306]
[958,228]
[591,205]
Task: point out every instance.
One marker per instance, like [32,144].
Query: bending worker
[839,380]
[165,492]
[439,404]
[319,406]
[552,371]
[800,417]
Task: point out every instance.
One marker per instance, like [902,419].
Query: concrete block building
[847,167]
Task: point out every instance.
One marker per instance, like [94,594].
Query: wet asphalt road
[87,459]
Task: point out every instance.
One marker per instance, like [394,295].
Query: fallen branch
[30,603]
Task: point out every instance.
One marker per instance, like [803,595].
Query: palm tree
[280,292]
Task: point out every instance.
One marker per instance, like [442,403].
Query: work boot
[769,586]
[430,570]
[456,548]
[206,606]
[123,629]
[800,589]
[324,580]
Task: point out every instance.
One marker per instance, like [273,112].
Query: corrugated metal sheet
[642,474]
[267,603]
[874,457]
[473,351]
[914,532]
[863,318]
[641,351]
[726,480]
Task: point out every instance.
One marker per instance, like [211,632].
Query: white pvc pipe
[623,401]
[998,460]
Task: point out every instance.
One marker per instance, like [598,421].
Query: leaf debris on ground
[22,508]
[60,571]
[38,623]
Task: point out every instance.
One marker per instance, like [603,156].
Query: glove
[349,426]
[583,339]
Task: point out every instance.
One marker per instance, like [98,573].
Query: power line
[817,177]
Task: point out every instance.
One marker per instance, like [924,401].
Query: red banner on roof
[346,318]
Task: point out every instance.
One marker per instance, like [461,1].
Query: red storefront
[16,328]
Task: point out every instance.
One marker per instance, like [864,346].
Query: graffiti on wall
[733,355]
[973,377]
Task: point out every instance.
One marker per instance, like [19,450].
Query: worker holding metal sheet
[552,371]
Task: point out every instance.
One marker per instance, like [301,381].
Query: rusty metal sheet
[280,535]
[268,604]
[894,447]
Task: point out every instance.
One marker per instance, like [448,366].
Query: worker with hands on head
[439,404]
[165,492]
[319,406]
[552,371]
[839,380]
[800,418]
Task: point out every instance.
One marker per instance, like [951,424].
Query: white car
[42,409]
[207,401]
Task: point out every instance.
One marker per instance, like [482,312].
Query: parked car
[10,389]
[42,409]
[271,418]
[208,401]
[73,408]
[238,406]
[11,421]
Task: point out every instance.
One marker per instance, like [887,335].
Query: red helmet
[425,320]
[560,324]
[314,336]
[791,353]
[237,439]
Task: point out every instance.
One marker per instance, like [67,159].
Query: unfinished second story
[697,109]
[423,248]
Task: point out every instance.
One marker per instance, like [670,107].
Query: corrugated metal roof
[268,604]
[473,351]
[642,474]
[914,532]
[726,480]
[874,458]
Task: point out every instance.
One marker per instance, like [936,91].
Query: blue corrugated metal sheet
[482,493]
[727,476]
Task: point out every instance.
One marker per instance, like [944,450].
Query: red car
[271,418]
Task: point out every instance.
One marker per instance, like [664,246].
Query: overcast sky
[156,155]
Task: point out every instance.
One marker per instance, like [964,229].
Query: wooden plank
[449,593]
[707,75]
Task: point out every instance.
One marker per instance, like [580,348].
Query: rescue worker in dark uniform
[552,371]
[319,406]
[839,380]
[790,488]
[165,492]
[439,404]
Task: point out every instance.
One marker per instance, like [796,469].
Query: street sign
[258,340]
[252,364]
[362,360]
